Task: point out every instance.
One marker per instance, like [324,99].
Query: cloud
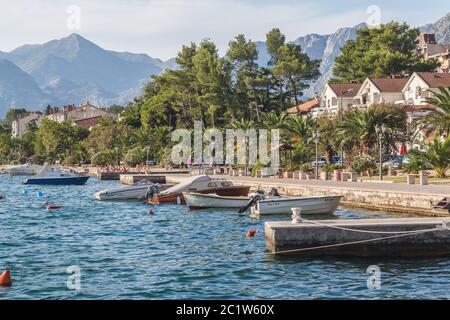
[160,27]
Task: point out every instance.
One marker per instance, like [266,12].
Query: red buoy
[251,233]
[53,207]
[5,278]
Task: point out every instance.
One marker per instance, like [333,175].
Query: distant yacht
[26,169]
[50,175]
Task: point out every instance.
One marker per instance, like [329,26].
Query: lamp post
[117,156]
[381,131]
[316,136]
[341,114]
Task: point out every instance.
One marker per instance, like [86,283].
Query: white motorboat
[135,191]
[309,205]
[26,169]
[202,184]
[55,175]
[197,201]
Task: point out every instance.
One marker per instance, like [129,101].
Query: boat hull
[178,198]
[124,194]
[198,201]
[77,181]
[309,205]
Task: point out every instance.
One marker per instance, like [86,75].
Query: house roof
[304,107]
[416,108]
[434,79]
[346,90]
[389,85]
[89,122]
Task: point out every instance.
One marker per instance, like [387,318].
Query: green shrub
[134,157]
[71,161]
[102,159]
[256,167]
[364,162]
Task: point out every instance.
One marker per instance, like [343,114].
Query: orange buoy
[5,278]
[157,201]
[251,233]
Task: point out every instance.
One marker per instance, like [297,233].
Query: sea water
[116,250]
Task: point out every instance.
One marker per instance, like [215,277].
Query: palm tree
[272,120]
[299,128]
[439,118]
[358,127]
[242,124]
[436,156]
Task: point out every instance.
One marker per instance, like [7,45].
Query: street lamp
[341,113]
[316,136]
[381,131]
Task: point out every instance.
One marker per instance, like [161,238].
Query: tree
[295,70]
[358,127]
[272,120]
[385,51]
[439,118]
[12,114]
[436,156]
[299,128]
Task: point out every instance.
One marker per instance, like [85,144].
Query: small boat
[26,169]
[203,185]
[197,201]
[50,175]
[133,192]
[309,205]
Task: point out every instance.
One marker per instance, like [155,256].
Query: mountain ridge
[73,69]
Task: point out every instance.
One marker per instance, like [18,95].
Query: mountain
[74,69]
[18,88]
[326,48]
[323,47]
[441,28]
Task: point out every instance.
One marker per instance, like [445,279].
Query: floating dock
[131,179]
[411,237]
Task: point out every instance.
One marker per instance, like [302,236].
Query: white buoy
[296,215]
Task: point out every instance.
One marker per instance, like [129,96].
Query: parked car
[395,162]
[322,162]
[151,162]
[338,161]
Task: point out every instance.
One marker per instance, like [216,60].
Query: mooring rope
[358,242]
[365,231]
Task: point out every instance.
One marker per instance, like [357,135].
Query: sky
[160,27]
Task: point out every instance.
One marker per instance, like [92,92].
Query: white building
[422,85]
[85,115]
[379,91]
[337,97]
[74,113]
[20,125]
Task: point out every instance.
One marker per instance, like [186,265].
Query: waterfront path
[441,190]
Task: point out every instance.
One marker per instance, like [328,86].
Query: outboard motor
[152,190]
[259,195]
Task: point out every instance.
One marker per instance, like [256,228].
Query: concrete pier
[286,236]
[131,179]
[108,175]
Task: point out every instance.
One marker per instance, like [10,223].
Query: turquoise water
[124,253]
